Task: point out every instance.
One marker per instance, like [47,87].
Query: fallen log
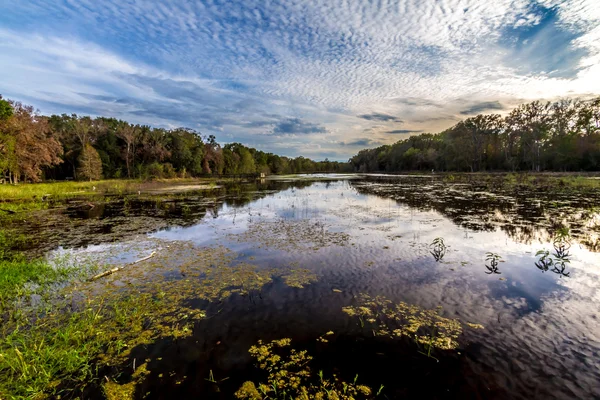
[117,269]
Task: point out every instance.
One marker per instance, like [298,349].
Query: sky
[318,78]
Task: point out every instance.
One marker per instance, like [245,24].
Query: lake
[418,286]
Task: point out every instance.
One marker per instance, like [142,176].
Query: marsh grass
[54,191]
[64,351]
[60,190]
[21,278]
[84,335]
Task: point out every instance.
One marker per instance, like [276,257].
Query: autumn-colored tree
[28,144]
[154,145]
[90,165]
[213,156]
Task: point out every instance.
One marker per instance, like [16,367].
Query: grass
[38,360]
[56,191]
[62,190]
[62,352]
[34,356]
[21,278]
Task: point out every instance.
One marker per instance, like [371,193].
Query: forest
[35,148]
[550,136]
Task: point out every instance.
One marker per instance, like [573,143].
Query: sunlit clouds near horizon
[314,78]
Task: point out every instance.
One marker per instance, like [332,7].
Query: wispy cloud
[403,131]
[379,117]
[295,126]
[248,70]
[482,107]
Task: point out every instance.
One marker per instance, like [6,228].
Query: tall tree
[90,165]
[130,135]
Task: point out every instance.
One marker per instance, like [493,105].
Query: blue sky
[319,78]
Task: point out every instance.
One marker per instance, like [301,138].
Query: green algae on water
[289,376]
[395,320]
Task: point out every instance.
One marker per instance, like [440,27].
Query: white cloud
[321,61]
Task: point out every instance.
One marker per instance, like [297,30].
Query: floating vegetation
[474,326]
[299,278]
[292,235]
[394,320]
[291,377]
[492,260]
[469,200]
[322,338]
[68,348]
[99,323]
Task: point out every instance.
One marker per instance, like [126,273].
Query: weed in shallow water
[394,320]
[492,260]
[438,248]
[289,377]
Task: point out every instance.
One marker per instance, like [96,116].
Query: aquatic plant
[438,248]
[299,277]
[291,235]
[492,260]
[395,320]
[544,261]
[557,262]
[290,376]
[560,267]
[64,350]
[562,243]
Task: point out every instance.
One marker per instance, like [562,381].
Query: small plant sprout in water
[492,261]
[438,248]
[557,261]
[544,261]
[560,266]
[211,378]
[562,243]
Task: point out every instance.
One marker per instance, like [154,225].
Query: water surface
[373,235]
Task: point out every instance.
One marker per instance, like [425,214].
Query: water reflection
[438,249]
[416,241]
[492,260]
[557,261]
[526,215]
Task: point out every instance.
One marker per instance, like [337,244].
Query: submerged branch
[117,269]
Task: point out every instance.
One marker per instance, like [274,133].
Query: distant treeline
[560,136]
[35,147]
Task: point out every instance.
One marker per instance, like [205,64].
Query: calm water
[374,235]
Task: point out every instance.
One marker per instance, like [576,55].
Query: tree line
[34,147]
[538,136]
